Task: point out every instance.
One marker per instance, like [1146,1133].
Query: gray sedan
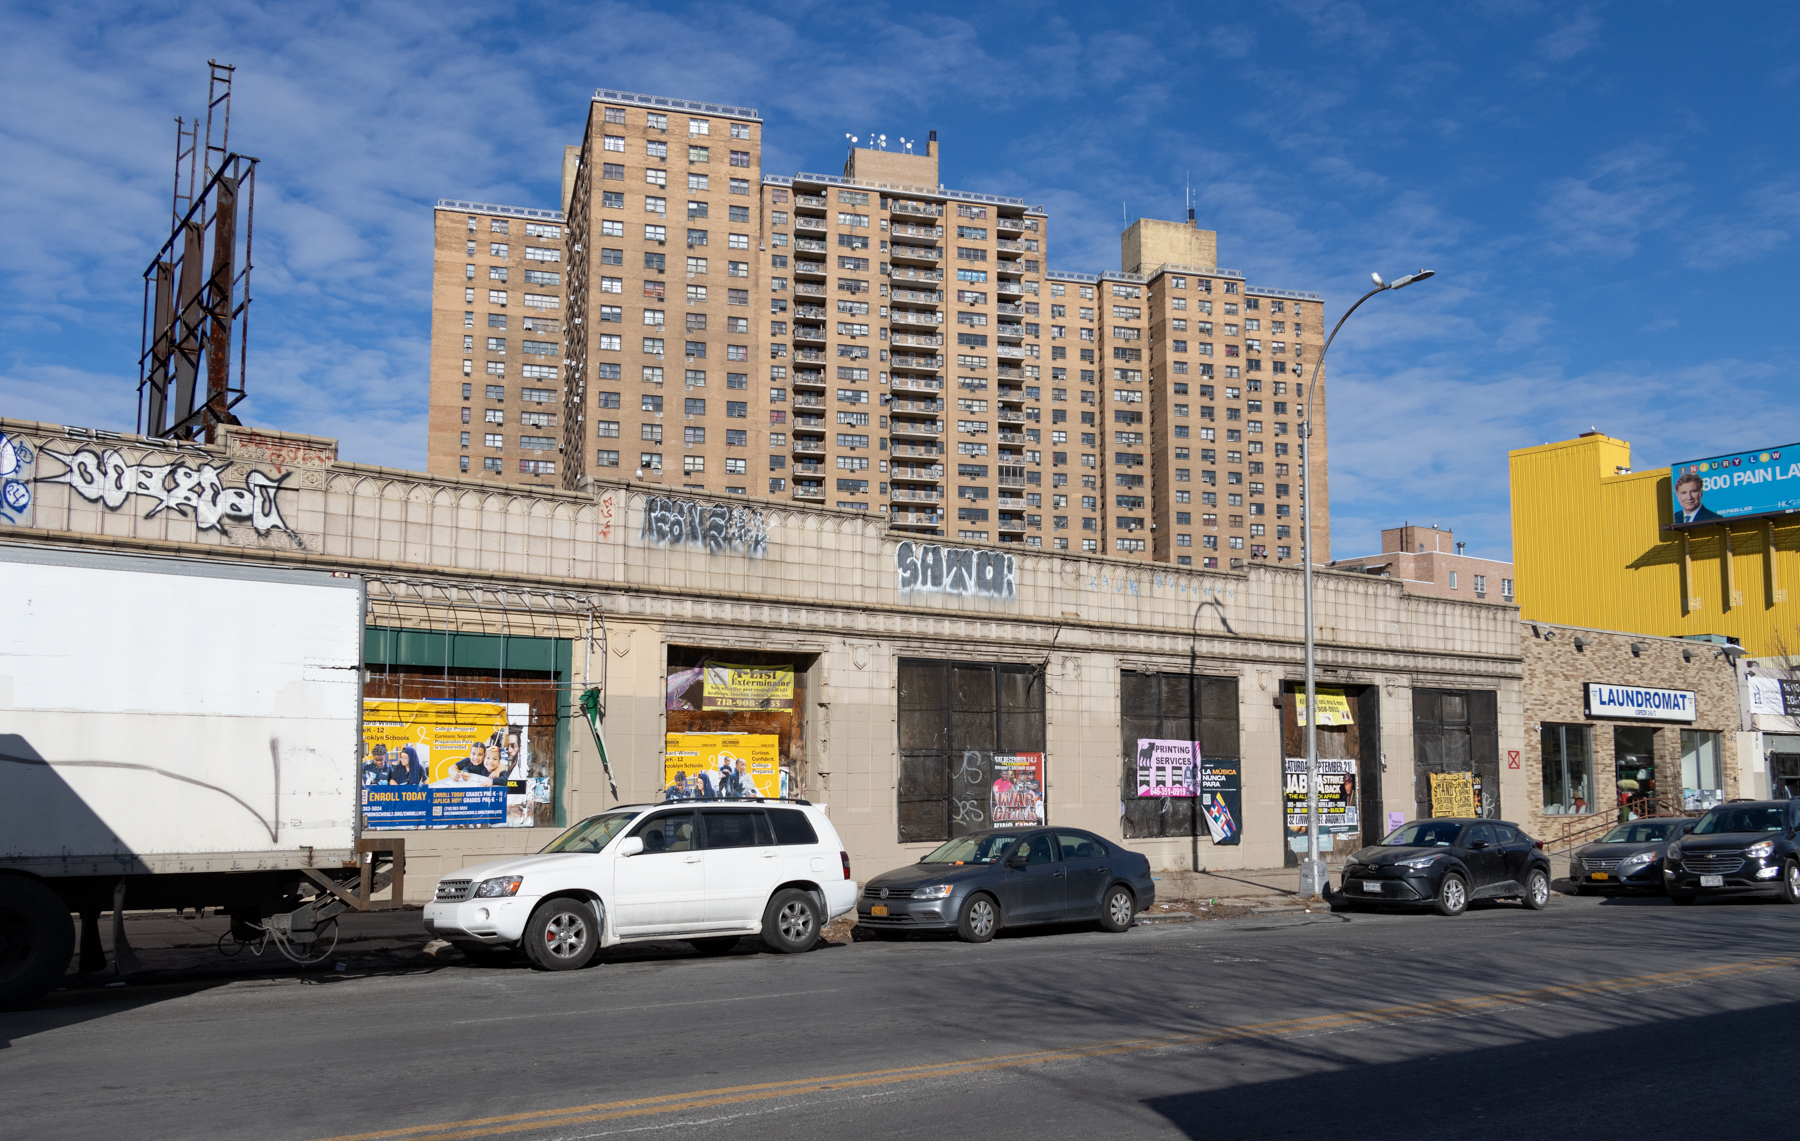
[978,883]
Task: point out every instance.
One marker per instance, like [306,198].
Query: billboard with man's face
[1744,485]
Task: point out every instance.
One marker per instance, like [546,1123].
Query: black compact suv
[1445,863]
[1747,847]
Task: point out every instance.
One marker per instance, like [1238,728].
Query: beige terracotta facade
[643,572]
[874,341]
[1429,560]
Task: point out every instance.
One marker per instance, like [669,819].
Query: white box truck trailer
[173,733]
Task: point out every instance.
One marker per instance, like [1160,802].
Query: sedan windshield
[1746,819]
[1425,834]
[971,850]
[1643,832]
[591,834]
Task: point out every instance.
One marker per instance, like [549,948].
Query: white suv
[707,872]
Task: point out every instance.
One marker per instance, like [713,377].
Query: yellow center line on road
[735,1095]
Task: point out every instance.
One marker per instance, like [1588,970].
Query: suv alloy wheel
[790,922]
[562,934]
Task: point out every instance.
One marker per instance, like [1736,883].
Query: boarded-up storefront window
[1457,731]
[748,695]
[969,733]
[1352,733]
[1185,707]
[472,725]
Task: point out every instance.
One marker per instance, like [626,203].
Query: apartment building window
[608,429]
[616,172]
[1452,580]
[613,199]
[693,465]
[650,461]
[493,440]
[1481,584]
[492,463]
[606,458]
[700,154]
[690,437]
[496,392]
[650,433]
[1506,588]
[652,403]
[497,297]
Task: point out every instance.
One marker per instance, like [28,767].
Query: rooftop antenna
[1190,197]
[883,142]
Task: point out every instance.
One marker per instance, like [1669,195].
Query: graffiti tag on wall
[16,458]
[713,527]
[931,569]
[108,478]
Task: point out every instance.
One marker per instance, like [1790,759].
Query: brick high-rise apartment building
[874,341]
[496,342]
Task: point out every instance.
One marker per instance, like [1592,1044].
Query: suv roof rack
[735,800]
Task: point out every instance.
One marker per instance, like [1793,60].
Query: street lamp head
[1379,284]
[1403,282]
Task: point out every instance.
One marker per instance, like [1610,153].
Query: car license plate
[1372,886]
[1600,876]
[1712,881]
[878,909]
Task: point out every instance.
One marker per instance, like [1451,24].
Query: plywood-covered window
[1181,707]
[954,718]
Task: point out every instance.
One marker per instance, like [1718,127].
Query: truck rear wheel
[37,939]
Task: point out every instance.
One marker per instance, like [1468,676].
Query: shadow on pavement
[1643,1083]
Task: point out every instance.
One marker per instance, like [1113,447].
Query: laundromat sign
[1639,703]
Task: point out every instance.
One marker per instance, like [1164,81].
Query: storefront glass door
[1634,760]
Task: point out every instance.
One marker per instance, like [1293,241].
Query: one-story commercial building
[917,688]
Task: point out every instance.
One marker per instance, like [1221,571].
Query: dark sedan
[1627,860]
[1445,863]
[1746,848]
[981,882]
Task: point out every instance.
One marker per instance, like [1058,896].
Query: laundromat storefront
[1625,726]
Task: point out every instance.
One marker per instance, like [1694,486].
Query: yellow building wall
[1589,549]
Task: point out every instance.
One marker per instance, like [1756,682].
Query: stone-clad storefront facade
[627,585]
[1586,760]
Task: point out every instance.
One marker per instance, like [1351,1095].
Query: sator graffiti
[931,569]
[106,477]
[713,527]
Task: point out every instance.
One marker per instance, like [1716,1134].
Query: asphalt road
[1597,1018]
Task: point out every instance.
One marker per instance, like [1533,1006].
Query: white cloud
[1628,192]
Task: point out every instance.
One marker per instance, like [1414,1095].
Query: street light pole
[1312,872]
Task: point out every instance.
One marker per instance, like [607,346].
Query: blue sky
[1610,193]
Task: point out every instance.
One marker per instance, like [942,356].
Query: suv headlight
[1674,852]
[1420,861]
[1632,863]
[935,891]
[1761,850]
[504,885]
